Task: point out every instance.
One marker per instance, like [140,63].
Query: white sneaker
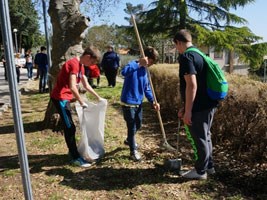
[81,163]
[135,155]
[211,171]
[192,174]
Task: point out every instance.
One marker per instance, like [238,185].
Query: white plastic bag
[92,121]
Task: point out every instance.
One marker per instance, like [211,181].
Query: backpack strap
[194,49]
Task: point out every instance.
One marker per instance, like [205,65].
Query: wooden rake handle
[149,77]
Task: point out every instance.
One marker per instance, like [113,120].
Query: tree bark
[231,61]
[68,27]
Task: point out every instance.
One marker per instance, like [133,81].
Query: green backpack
[217,86]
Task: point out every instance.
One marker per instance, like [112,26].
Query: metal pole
[18,124]
[16,42]
[49,82]
[16,39]
[47,34]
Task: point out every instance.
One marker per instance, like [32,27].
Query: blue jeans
[29,69]
[133,118]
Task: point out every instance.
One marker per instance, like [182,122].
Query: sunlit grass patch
[10,172]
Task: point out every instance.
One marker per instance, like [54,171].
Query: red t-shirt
[94,71]
[62,90]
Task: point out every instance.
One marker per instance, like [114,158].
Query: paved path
[4,88]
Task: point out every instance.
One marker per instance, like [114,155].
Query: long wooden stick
[151,85]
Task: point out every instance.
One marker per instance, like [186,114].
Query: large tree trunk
[68,26]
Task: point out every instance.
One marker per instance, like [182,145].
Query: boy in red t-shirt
[70,75]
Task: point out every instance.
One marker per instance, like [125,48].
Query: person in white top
[18,65]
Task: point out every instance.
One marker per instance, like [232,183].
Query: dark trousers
[91,81]
[133,118]
[64,110]
[43,79]
[5,71]
[18,74]
[111,75]
[201,135]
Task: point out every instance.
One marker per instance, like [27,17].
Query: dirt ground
[115,176]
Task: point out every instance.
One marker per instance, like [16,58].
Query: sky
[254,13]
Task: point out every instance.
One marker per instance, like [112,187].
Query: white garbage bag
[92,121]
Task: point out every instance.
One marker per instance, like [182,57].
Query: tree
[234,39]
[100,36]
[68,31]
[24,18]
[207,20]
[180,14]
[254,55]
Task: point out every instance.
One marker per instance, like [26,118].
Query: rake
[165,144]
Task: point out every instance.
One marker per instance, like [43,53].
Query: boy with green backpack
[199,104]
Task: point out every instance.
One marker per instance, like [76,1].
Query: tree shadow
[36,162]
[235,182]
[98,177]
[30,127]
[109,178]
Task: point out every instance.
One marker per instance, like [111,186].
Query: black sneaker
[127,143]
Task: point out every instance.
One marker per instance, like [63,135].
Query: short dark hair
[151,53]
[183,36]
[43,48]
[93,52]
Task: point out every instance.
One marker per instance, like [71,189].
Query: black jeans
[64,110]
[111,75]
[18,74]
[43,72]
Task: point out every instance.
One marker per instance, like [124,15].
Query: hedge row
[240,124]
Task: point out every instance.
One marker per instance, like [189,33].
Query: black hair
[43,48]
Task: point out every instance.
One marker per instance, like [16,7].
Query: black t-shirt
[193,63]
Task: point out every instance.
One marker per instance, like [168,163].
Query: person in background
[18,65]
[93,72]
[36,66]
[198,109]
[110,64]
[3,59]
[29,64]
[136,86]
[65,90]
[42,62]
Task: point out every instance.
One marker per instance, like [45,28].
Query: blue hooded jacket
[136,84]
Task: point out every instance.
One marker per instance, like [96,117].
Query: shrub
[240,123]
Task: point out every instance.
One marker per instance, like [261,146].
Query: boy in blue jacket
[136,86]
